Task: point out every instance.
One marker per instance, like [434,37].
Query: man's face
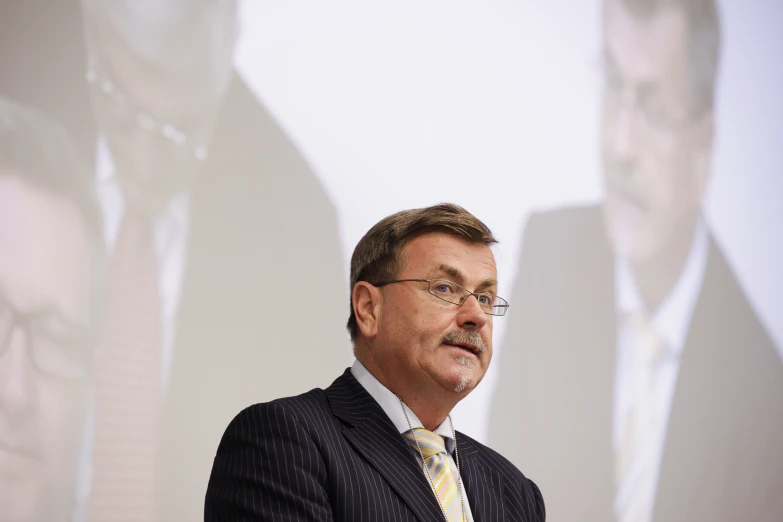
[656,145]
[45,355]
[183,95]
[419,335]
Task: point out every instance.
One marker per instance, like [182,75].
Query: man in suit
[181,137]
[637,382]
[379,444]
[50,299]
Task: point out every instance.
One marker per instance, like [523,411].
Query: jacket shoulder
[564,228]
[300,409]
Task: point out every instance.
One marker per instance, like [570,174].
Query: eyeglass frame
[25,321]
[623,96]
[462,301]
[121,100]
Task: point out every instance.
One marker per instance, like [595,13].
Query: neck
[430,416]
[656,275]
[430,407]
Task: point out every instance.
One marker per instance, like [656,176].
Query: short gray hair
[172,35]
[378,255]
[702,20]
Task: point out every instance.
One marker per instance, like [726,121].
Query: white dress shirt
[671,322]
[391,406]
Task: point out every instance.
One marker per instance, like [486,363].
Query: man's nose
[471,315]
[624,128]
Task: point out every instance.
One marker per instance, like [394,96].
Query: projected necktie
[438,469]
[634,467]
[128,382]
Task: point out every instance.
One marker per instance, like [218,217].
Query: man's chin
[626,235]
[464,380]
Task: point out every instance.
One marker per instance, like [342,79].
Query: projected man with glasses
[50,260]
[379,443]
[637,382]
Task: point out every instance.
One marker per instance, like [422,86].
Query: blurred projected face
[656,145]
[44,351]
[424,340]
[159,72]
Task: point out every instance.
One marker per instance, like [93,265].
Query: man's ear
[366,306]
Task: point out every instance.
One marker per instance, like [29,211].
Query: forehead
[645,46]
[176,90]
[46,250]
[428,253]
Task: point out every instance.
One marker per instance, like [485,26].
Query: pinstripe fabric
[334,455]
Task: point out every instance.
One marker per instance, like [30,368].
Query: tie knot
[429,442]
[642,321]
[648,339]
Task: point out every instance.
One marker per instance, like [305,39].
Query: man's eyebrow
[457,277]
[487,283]
[452,272]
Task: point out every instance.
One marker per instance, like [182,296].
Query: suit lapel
[591,343]
[483,488]
[372,434]
[699,426]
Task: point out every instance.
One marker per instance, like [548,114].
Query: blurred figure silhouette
[220,237]
[636,381]
[222,241]
[50,296]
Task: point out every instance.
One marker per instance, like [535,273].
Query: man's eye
[444,288]
[485,299]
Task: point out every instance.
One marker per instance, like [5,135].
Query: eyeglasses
[647,103]
[451,292]
[55,349]
[123,108]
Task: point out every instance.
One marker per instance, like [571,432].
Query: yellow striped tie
[436,462]
[635,481]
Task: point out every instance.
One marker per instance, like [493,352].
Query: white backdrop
[495,106]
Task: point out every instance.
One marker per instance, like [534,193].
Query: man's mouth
[621,187]
[467,347]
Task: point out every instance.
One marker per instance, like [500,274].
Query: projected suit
[722,459]
[642,384]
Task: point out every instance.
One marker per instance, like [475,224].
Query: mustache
[621,179]
[471,337]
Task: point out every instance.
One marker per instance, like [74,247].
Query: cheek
[487,335]
[670,170]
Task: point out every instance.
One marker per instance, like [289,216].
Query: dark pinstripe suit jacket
[335,455]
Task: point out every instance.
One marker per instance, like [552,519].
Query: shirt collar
[174,217]
[672,318]
[391,405]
